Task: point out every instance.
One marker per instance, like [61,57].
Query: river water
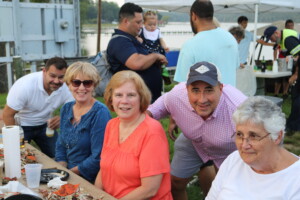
[174,34]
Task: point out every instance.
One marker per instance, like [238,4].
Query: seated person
[261,168]
[135,156]
[83,123]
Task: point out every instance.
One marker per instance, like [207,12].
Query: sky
[119,2]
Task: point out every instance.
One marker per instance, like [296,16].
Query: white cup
[33,175]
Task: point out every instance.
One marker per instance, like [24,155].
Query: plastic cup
[33,175]
[49,131]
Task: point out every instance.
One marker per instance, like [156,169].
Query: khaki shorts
[186,161]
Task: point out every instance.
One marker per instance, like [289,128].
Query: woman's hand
[75,170]
[63,163]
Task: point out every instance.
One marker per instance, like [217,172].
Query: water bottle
[263,65]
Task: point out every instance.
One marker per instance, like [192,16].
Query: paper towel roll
[12,157]
[275,66]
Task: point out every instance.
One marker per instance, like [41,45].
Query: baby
[151,35]
[152,39]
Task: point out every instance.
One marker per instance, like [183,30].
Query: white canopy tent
[222,6]
[226,6]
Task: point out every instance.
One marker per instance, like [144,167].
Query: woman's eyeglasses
[86,83]
[251,139]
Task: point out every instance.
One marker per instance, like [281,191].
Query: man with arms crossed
[33,98]
[202,109]
[125,52]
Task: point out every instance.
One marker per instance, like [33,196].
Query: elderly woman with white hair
[260,168]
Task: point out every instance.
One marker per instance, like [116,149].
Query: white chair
[246,83]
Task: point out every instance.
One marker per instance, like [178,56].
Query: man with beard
[209,44]
[125,52]
[33,98]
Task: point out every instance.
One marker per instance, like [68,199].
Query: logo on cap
[202,69]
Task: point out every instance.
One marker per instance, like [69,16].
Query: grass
[291,142]
[2,100]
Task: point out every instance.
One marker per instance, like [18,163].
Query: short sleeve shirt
[144,153]
[119,49]
[34,104]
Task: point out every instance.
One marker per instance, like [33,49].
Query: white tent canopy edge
[226,6]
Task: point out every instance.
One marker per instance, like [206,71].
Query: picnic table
[86,187]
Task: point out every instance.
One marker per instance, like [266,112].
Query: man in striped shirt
[202,108]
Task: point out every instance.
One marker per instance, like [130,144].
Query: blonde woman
[83,123]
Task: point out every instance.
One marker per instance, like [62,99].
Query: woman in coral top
[135,156]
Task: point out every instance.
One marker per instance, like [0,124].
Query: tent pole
[254,35]
[99,27]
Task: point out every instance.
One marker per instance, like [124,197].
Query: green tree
[110,11]
[84,8]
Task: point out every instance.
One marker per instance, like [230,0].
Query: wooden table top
[86,186]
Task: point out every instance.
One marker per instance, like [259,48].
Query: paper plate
[49,174]
[23,197]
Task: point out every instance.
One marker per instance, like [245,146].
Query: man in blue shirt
[127,53]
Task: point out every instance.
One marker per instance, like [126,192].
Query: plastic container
[33,175]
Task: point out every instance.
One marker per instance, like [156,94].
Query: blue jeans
[38,135]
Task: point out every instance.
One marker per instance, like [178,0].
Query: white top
[152,35]
[29,97]
[237,181]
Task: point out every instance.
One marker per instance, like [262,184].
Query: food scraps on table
[67,192]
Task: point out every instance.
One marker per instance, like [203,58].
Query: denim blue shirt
[80,145]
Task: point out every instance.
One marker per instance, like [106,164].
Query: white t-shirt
[237,181]
[29,97]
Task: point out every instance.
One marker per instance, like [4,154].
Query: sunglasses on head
[86,83]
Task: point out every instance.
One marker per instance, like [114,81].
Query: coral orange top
[144,153]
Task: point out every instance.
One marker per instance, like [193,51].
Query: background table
[86,186]
[261,76]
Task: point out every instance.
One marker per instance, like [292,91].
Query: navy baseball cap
[204,71]
[269,32]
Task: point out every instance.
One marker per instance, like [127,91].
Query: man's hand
[172,129]
[54,122]
[293,79]
[162,59]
